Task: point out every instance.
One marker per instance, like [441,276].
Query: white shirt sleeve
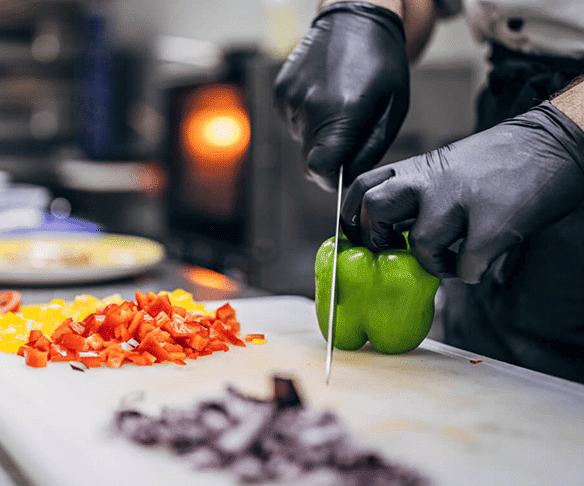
[531,26]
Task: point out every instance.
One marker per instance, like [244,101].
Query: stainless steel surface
[331,317]
[168,275]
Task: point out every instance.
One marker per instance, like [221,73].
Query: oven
[238,201]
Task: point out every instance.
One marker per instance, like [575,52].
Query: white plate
[57,258]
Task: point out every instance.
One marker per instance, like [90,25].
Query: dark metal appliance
[238,201]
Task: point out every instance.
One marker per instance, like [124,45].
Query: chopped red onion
[266,440]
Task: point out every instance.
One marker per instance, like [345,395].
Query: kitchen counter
[456,417]
[168,275]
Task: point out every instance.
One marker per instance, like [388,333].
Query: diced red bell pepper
[145,327]
[178,310]
[198,343]
[95,341]
[150,344]
[140,359]
[250,337]
[158,303]
[136,321]
[172,347]
[226,334]
[233,325]
[77,327]
[92,323]
[10,301]
[178,329]
[91,359]
[117,318]
[72,341]
[43,344]
[35,357]
[141,300]
[121,333]
[149,357]
[225,312]
[217,346]
[178,358]
[62,329]
[161,319]
[115,358]
[34,336]
[61,353]
[162,333]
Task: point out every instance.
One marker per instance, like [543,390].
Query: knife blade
[329,341]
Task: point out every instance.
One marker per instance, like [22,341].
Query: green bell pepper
[385,298]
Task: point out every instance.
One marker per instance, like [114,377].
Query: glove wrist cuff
[572,136]
[387,18]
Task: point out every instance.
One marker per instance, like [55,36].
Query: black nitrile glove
[344,91]
[490,190]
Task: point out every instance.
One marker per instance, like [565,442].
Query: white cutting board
[457,422]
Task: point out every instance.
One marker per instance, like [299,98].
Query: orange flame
[216,130]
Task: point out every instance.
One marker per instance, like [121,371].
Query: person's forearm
[418,17]
[570,101]
[395,6]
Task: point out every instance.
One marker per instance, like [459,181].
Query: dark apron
[535,316]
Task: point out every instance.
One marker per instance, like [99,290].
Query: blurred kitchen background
[155,119]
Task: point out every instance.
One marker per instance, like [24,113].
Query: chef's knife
[329,341]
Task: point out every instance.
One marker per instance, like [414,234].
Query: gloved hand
[490,190]
[344,91]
